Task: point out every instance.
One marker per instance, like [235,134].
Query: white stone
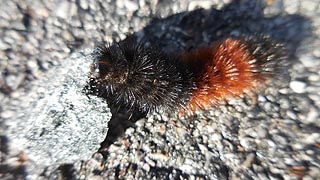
[298,86]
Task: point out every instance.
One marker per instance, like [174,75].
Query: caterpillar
[138,77]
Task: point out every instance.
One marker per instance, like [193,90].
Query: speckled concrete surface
[277,138]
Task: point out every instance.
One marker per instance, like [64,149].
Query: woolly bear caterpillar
[131,75]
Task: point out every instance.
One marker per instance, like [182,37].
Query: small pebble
[298,86]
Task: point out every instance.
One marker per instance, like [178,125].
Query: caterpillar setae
[138,77]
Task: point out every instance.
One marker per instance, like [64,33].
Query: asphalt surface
[49,128]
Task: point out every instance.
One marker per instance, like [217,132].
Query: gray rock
[60,125]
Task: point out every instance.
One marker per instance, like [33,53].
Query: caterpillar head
[110,66]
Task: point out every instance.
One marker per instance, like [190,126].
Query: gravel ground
[44,47]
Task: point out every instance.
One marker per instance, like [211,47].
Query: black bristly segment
[271,57]
[134,77]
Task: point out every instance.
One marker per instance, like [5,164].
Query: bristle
[140,77]
[231,68]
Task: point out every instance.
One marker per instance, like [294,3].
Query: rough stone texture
[55,123]
[276,138]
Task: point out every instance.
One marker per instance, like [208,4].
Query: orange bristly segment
[225,70]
